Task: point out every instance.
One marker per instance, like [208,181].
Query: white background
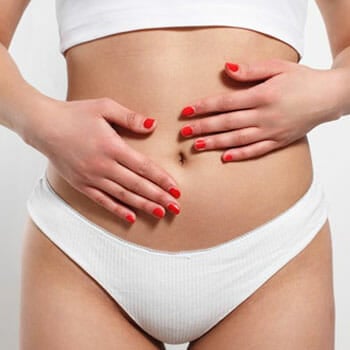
[35,50]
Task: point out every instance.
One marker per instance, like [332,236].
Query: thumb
[256,70]
[124,117]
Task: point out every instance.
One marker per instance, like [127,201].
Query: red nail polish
[174,208]
[174,192]
[232,66]
[187,111]
[130,218]
[200,144]
[228,157]
[148,123]
[186,131]
[158,212]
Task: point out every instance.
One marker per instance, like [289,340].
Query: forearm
[341,66]
[20,102]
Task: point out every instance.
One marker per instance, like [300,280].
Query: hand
[290,101]
[94,159]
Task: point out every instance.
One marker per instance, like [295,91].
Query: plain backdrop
[35,50]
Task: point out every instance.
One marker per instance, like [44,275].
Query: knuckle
[243,153]
[261,95]
[241,138]
[255,116]
[163,180]
[163,198]
[102,145]
[131,118]
[225,101]
[268,97]
[227,122]
[282,134]
[199,126]
[200,105]
[99,165]
[145,205]
[100,199]
[136,186]
[122,194]
[105,103]
[144,167]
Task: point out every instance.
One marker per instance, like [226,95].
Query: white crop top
[83,20]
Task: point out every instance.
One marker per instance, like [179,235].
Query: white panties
[176,297]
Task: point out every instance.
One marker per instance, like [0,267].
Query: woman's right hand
[83,146]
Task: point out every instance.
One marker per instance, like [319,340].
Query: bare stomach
[157,72]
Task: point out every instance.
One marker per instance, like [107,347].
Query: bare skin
[186,59]
[157,73]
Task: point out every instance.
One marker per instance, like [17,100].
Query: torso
[157,72]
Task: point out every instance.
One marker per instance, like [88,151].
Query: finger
[221,122]
[139,185]
[108,203]
[133,199]
[138,163]
[124,117]
[257,70]
[229,139]
[250,151]
[239,99]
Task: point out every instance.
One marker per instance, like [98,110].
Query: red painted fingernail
[199,144]
[186,131]
[187,111]
[130,218]
[232,66]
[175,192]
[228,157]
[174,208]
[148,123]
[158,212]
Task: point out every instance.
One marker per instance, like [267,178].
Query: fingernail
[175,192]
[232,66]
[199,144]
[186,131]
[174,208]
[189,110]
[158,212]
[130,218]
[148,123]
[228,157]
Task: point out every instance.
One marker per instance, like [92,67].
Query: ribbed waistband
[51,212]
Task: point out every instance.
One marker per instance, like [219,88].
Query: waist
[157,73]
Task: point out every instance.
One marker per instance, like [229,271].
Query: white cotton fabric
[83,20]
[178,296]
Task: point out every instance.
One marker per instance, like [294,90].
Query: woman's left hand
[290,101]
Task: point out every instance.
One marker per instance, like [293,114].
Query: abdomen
[157,73]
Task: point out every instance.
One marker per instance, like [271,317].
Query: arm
[335,15]
[18,99]
[105,169]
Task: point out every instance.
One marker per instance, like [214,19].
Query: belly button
[182,158]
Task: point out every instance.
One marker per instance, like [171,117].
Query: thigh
[62,307]
[294,309]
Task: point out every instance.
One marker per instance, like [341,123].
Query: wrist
[33,116]
[340,89]
[32,107]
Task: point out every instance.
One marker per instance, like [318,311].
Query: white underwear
[176,297]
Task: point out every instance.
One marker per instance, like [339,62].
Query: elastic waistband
[52,213]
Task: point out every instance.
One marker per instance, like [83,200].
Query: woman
[136,236]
